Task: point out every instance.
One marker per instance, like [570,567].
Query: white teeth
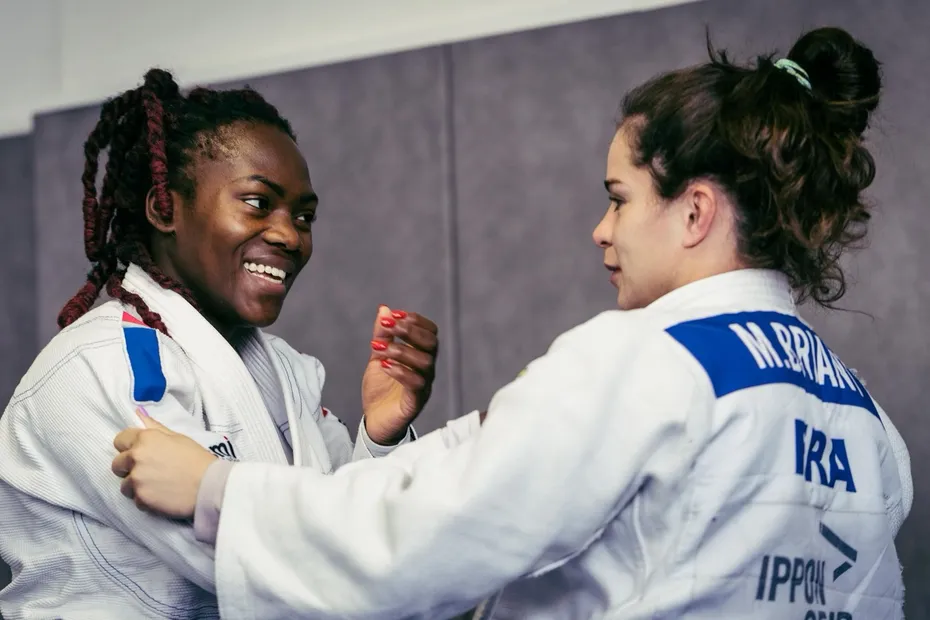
[272,273]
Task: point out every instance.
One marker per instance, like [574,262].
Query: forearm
[423,538]
[213,485]
[374,537]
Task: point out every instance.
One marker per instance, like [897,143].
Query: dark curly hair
[793,159]
[153,134]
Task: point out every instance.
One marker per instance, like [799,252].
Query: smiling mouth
[266,272]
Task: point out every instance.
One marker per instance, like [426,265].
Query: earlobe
[154,214]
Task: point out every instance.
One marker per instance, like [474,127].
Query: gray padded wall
[58,145]
[372,134]
[533,120]
[17,272]
[532,124]
[17,264]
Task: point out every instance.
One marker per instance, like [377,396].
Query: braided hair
[152,134]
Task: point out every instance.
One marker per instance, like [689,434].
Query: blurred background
[459,152]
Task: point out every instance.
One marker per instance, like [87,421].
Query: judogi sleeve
[896,471]
[563,450]
[213,484]
[60,445]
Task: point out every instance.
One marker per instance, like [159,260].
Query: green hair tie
[796,70]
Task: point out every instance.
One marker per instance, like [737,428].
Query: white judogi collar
[743,288]
[231,397]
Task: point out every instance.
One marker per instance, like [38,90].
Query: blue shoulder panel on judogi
[748,349]
[148,379]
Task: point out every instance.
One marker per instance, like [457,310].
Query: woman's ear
[701,207]
[153,214]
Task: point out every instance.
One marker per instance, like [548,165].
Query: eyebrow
[278,189]
[609,182]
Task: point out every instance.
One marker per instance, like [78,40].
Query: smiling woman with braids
[202,224]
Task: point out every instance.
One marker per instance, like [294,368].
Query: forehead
[619,156]
[622,163]
[245,149]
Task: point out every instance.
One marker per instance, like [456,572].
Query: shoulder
[624,348]
[94,338]
[605,330]
[621,334]
[71,377]
[617,368]
[747,349]
[98,326]
[631,357]
[107,347]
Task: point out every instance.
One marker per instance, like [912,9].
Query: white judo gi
[705,457]
[79,549]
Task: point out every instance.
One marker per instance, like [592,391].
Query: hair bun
[842,71]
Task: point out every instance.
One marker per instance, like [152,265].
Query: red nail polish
[386,363]
[388,322]
[399,314]
[377,345]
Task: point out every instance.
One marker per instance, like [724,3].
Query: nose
[281,231]
[601,234]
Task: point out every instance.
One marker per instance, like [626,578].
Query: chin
[266,320]
[260,317]
[622,301]
[625,302]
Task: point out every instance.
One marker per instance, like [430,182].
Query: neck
[231,331]
[234,335]
[706,266]
[162,260]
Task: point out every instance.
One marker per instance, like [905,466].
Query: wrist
[210,500]
[385,438]
[205,466]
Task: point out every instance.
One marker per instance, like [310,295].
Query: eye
[307,218]
[616,202]
[258,202]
